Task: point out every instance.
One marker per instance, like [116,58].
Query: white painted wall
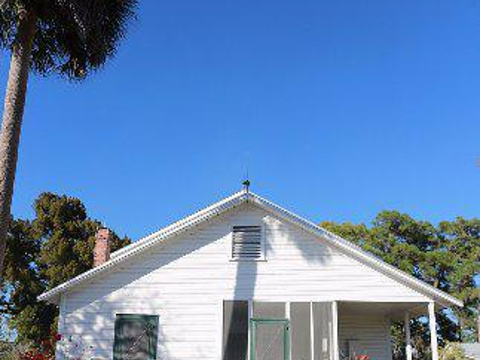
[365,335]
[185,280]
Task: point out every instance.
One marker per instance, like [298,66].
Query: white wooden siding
[369,335]
[185,279]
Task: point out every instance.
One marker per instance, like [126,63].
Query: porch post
[408,342]
[433,330]
[312,328]
[336,350]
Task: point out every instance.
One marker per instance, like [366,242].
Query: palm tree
[72,38]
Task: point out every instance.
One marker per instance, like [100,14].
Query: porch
[337,330]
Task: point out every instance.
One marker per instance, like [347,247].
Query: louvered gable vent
[247,242]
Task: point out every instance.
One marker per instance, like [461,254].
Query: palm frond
[74,37]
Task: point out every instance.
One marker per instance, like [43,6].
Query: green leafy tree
[67,236]
[446,256]
[52,248]
[70,38]
[461,241]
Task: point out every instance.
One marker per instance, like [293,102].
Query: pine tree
[52,248]
[446,256]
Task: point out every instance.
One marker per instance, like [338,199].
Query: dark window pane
[235,330]
[300,330]
[135,337]
[269,310]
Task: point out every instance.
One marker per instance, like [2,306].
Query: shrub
[452,351]
[8,351]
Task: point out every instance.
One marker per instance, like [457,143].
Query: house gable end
[227,207]
[298,267]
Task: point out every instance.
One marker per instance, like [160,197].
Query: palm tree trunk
[12,120]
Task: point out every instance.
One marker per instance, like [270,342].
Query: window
[135,337]
[235,330]
[247,243]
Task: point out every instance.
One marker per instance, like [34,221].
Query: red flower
[363,357]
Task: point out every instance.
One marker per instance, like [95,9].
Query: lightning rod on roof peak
[246,185]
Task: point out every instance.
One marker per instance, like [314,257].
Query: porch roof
[392,310]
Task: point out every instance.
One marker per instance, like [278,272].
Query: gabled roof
[231,202]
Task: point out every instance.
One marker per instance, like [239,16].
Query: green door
[270,339]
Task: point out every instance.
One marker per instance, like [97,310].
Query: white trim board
[233,201]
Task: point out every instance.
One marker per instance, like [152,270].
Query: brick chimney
[101,253]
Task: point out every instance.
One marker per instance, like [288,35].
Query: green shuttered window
[135,337]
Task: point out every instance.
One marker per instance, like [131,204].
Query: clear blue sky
[340,109]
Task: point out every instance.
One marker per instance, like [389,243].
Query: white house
[243,279]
